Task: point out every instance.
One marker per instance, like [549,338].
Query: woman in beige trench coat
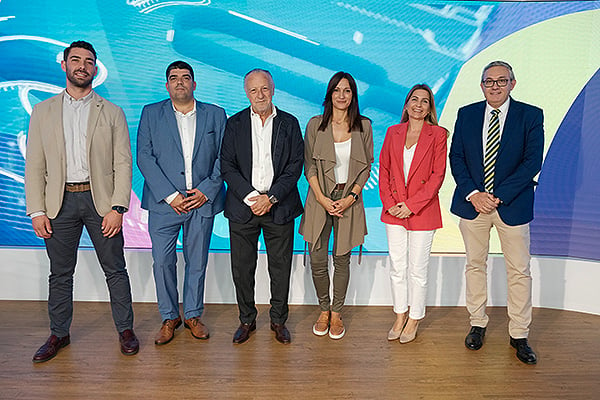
[338,153]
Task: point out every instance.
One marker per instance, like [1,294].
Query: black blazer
[287,149]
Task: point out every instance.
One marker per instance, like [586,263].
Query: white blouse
[408,155]
[342,160]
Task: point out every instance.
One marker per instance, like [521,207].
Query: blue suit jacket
[518,162]
[160,156]
[287,149]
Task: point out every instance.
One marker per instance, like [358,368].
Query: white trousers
[409,256]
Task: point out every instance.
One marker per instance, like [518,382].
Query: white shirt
[76,114]
[408,156]
[342,160]
[262,159]
[486,126]
[186,125]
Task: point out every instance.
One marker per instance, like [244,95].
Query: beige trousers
[514,241]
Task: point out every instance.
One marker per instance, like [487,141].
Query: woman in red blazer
[411,171]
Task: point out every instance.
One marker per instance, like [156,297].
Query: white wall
[557,283]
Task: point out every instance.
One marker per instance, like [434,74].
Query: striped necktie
[491,151]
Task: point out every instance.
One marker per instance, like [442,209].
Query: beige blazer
[108,152]
[319,161]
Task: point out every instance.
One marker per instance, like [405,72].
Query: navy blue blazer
[519,160]
[160,156]
[287,149]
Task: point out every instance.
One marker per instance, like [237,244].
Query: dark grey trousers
[78,211]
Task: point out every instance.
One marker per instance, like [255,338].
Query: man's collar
[273,113]
[85,99]
[188,114]
[503,108]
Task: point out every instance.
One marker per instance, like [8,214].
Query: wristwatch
[353,195]
[120,209]
[273,199]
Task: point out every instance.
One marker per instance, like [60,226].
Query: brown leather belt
[77,187]
[340,186]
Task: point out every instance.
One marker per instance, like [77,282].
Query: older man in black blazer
[261,162]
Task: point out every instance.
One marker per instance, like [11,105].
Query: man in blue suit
[496,152]
[262,159]
[179,141]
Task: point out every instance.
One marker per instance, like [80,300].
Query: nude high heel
[409,336]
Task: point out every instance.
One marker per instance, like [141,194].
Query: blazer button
[182,173]
[394,191]
[422,182]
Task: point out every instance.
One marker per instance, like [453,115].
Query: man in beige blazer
[78,173]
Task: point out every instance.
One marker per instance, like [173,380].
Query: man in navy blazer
[500,197]
[179,141]
[262,158]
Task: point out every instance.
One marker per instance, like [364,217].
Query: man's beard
[78,82]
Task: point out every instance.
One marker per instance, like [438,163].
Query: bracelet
[353,195]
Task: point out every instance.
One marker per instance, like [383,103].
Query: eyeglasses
[488,83]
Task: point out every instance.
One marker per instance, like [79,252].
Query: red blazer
[427,171]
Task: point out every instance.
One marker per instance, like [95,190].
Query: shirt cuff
[37,214]
[468,198]
[248,202]
[169,199]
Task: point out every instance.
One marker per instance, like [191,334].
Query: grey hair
[264,71]
[499,64]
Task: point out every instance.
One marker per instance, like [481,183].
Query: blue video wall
[387,45]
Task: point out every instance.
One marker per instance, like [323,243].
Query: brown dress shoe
[50,348]
[197,328]
[281,333]
[243,332]
[167,331]
[129,342]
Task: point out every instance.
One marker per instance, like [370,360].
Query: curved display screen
[388,46]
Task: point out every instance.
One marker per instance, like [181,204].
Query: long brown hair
[354,117]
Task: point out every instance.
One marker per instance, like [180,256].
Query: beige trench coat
[319,161]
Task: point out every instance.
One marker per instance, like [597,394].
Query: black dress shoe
[129,342]
[281,333]
[50,348]
[524,352]
[474,339]
[243,332]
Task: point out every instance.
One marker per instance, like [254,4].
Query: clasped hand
[400,210]
[261,205]
[195,199]
[336,208]
[484,202]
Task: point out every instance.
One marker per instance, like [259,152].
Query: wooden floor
[362,365]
